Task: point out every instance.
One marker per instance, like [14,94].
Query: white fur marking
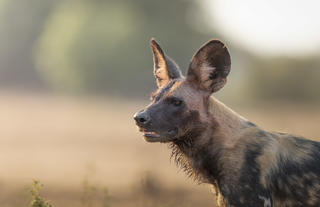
[267,201]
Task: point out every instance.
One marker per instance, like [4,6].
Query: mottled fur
[246,165]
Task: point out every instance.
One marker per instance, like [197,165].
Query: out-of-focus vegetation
[21,26]
[103,46]
[286,79]
[79,46]
[37,200]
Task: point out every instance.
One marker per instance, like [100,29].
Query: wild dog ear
[210,66]
[165,69]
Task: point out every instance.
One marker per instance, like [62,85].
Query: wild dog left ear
[210,66]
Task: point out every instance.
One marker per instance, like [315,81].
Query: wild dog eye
[176,102]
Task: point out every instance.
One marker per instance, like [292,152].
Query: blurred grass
[79,147]
[37,200]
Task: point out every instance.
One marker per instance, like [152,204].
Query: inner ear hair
[160,65]
[210,66]
[165,69]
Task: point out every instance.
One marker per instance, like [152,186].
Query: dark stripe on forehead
[165,90]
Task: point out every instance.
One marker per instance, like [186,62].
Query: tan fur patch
[281,146]
[205,73]
[231,134]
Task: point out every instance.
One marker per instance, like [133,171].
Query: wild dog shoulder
[290,168]
[241,183]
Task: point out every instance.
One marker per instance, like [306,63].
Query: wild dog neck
[220,126]
[200,154]
[230,125]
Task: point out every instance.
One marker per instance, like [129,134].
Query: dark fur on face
[247,166]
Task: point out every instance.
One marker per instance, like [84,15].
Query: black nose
[141,117]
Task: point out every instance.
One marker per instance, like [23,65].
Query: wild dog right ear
[210,66]
[165,69]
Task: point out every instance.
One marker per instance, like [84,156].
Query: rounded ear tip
[216,42]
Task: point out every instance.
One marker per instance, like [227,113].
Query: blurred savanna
[73,73]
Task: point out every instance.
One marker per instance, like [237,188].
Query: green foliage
[104,45]
[37,200]
[286,79]
[89,196]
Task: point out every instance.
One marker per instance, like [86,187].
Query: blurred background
[73,72]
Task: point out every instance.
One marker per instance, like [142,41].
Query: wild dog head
[179,107]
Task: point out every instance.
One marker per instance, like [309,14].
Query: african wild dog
[247,166]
